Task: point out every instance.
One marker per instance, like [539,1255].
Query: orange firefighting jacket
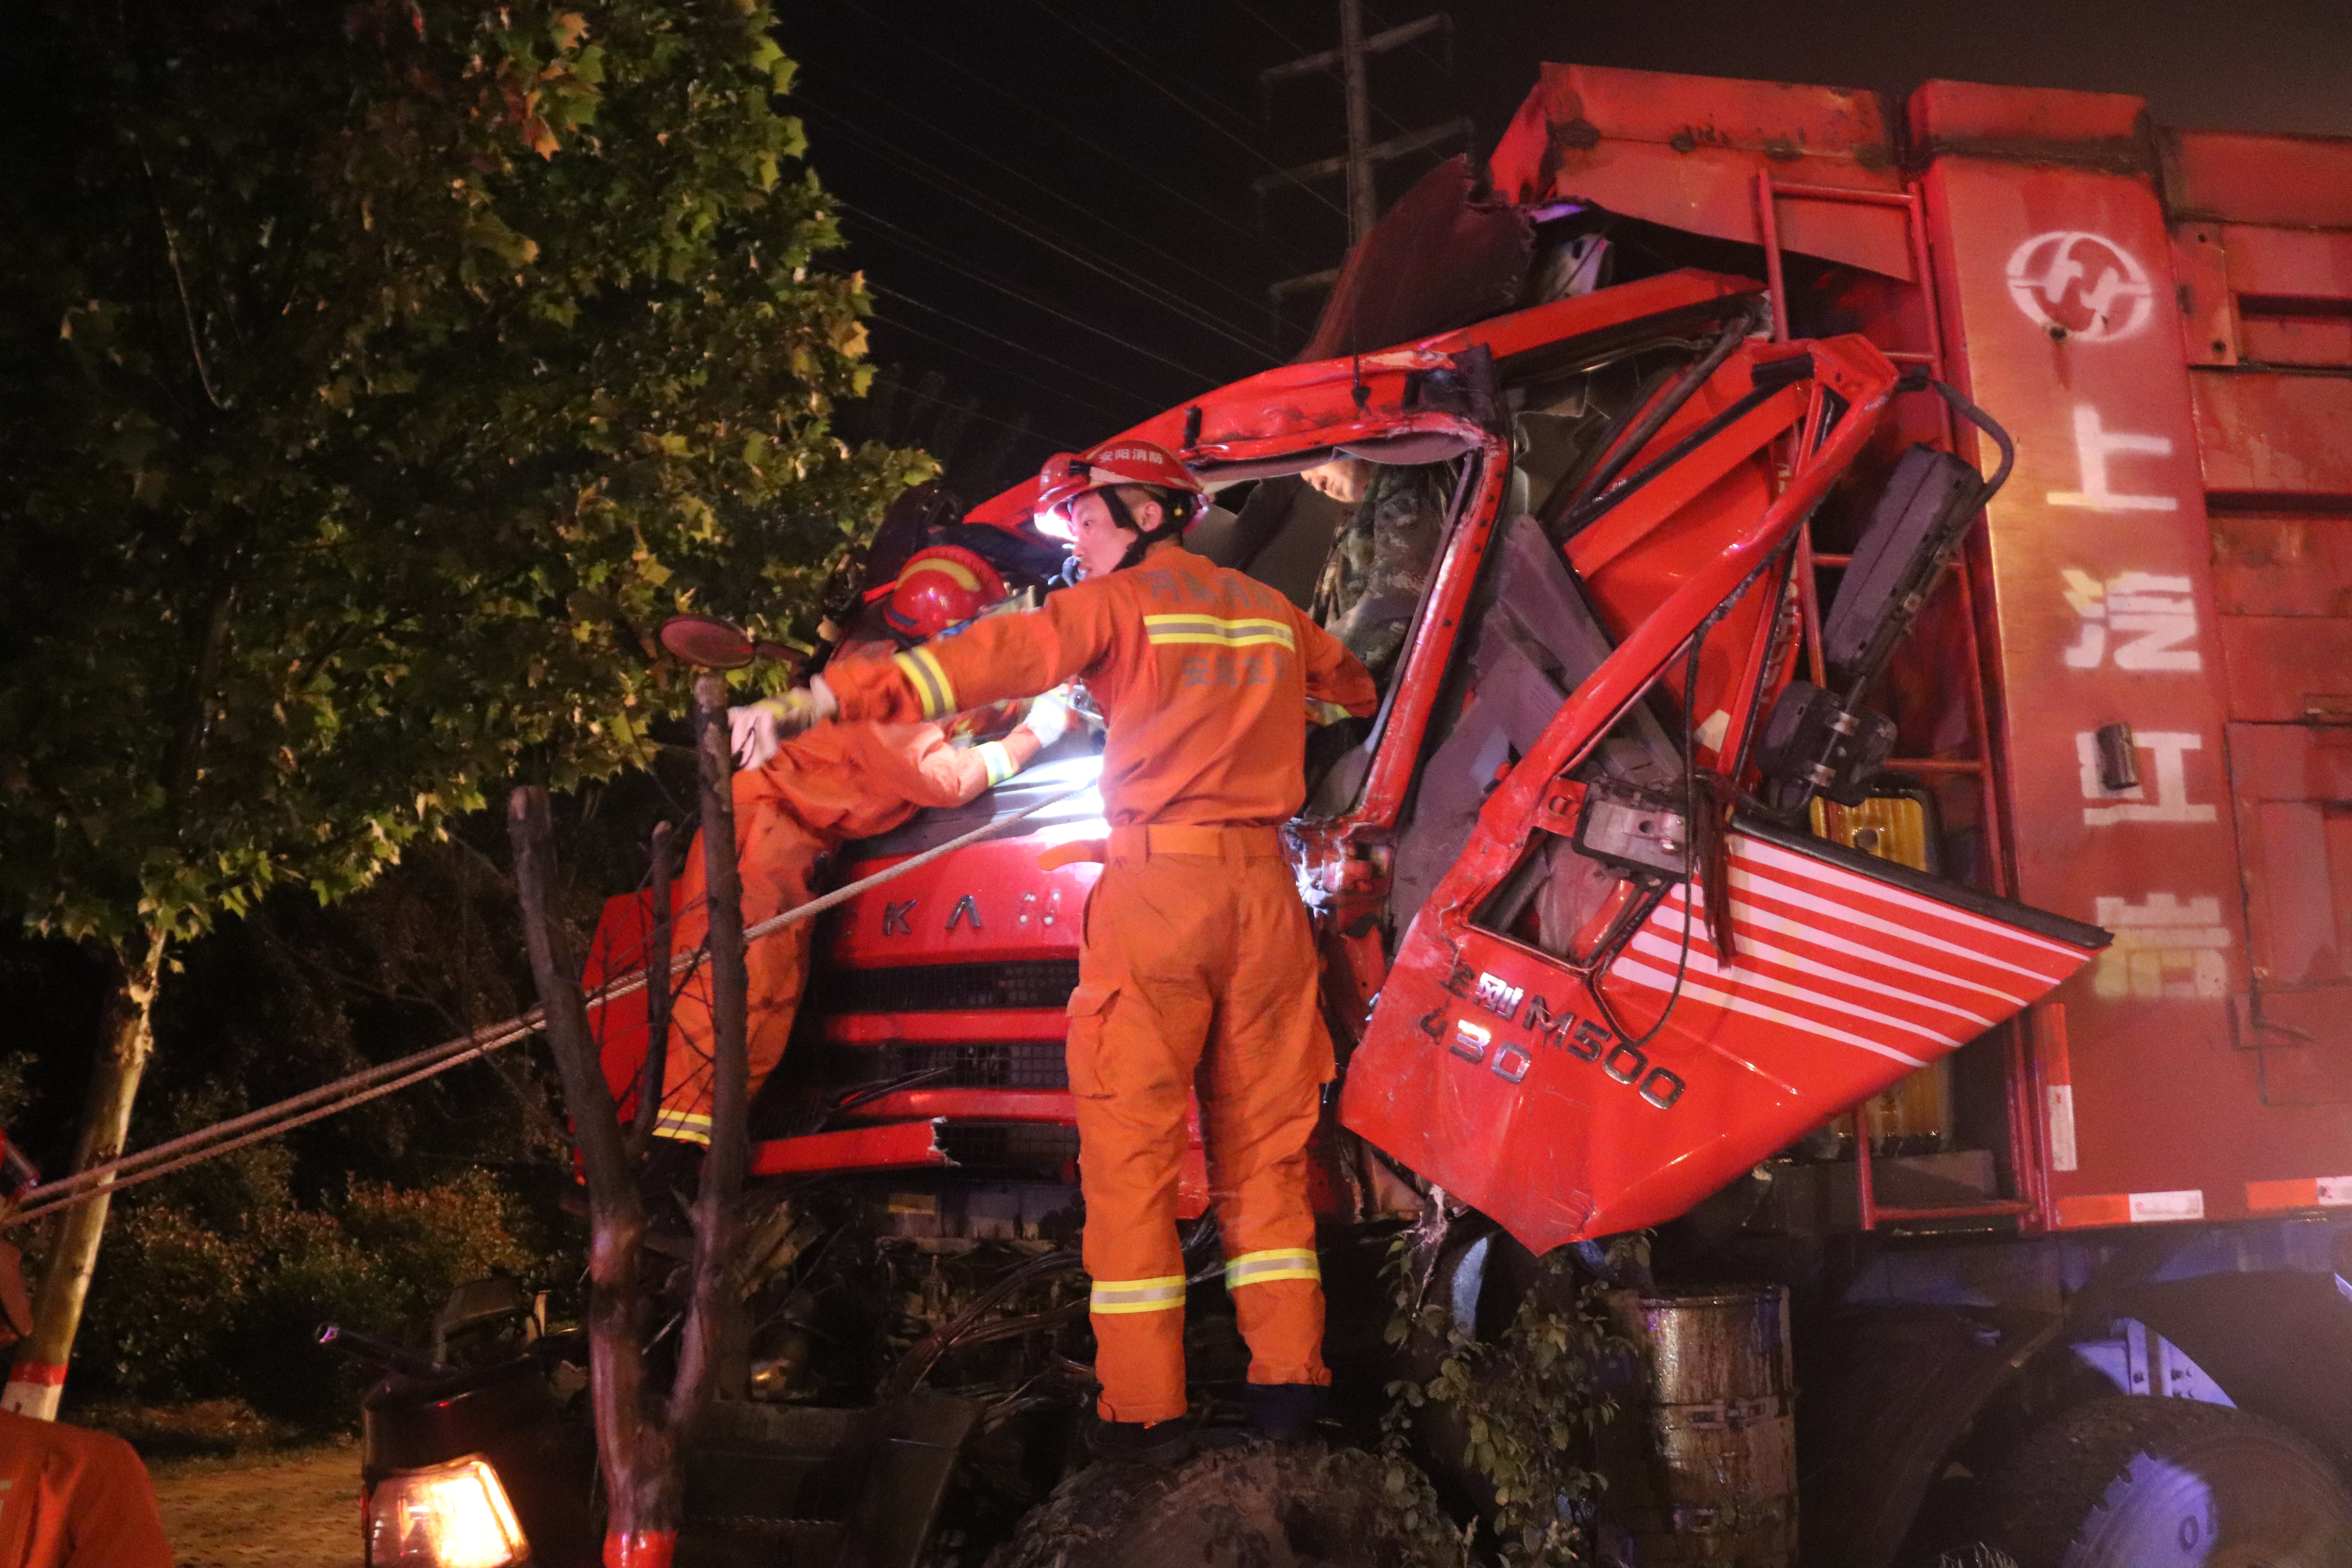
[73,1498]
[853,781]
[1204,676]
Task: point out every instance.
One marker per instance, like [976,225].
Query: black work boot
[1155,1443]
[1286,1412]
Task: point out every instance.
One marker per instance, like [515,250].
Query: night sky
[1053,202]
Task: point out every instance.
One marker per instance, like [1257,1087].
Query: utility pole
[1363,199]
[1360,163]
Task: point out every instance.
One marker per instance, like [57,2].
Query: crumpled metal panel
[1561,1119]
[1448,253]
[1489,1067]
[1685,150]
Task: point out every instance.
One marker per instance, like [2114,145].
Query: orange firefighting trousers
[1197,972]
[839,783]
[777,861]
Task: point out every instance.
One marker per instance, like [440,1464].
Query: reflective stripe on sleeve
[686,1126]
[998,761]
[1218,630]
[1320,712]
[932,686]
[1265,1267]
[1162,1295]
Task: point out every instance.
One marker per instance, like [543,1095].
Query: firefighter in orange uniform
[797,803]
[1198,969]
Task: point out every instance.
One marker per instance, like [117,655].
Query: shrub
[202,1296]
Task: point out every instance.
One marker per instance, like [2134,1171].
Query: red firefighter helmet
[1069,475]
[939,587]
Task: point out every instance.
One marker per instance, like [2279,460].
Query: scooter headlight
[446,1516]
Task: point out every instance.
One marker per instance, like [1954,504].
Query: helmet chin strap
[1170,525]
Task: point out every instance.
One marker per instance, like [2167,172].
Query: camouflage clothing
[1379,564]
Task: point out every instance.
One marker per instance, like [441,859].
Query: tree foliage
[373,377]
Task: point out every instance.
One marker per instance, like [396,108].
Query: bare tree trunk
[723,1167]
[37,1379]
[640,1479]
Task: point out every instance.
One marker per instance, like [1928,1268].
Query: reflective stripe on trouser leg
[1261,1082]
[1137,1306]
[1265,1267]
[686,1126]
[1136,1021]
[1116,1296]
[776,857]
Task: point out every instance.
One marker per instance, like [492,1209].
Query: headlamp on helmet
[1124,461]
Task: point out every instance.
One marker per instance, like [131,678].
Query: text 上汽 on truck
[1948,968]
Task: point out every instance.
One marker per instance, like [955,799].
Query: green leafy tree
[373,377]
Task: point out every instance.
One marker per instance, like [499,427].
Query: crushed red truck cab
[1863,788]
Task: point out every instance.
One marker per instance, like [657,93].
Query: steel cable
[358,1088]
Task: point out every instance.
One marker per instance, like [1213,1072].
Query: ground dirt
[276,1509]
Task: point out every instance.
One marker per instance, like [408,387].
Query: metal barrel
[1718,1484]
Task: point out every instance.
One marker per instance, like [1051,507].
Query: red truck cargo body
[2172,556]
[2163,321]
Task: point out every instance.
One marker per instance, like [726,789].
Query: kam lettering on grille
[1586,1039]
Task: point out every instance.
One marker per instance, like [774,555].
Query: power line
[1008,342]
[1361,161]
[1186,104]
[1074,205]
[900,388]
[1296,48]
[1080,138]
[996,364]
[1134,282]
[1284,39]
[940,258]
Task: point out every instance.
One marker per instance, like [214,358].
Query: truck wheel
[2135,1482]
[1257,1506]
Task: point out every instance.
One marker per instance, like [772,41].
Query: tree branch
[723,1167]
[639,1476]
[187,308]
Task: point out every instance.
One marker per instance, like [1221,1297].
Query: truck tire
[2135,1482]
[1257,1505]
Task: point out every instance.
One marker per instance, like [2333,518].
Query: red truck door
[1574,1082]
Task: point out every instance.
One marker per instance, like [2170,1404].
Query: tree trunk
[37,1379]
[723,1167]
[640,1478]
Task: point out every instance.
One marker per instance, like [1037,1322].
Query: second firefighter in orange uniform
[808,797]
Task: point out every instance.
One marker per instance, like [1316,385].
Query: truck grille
[948,987]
